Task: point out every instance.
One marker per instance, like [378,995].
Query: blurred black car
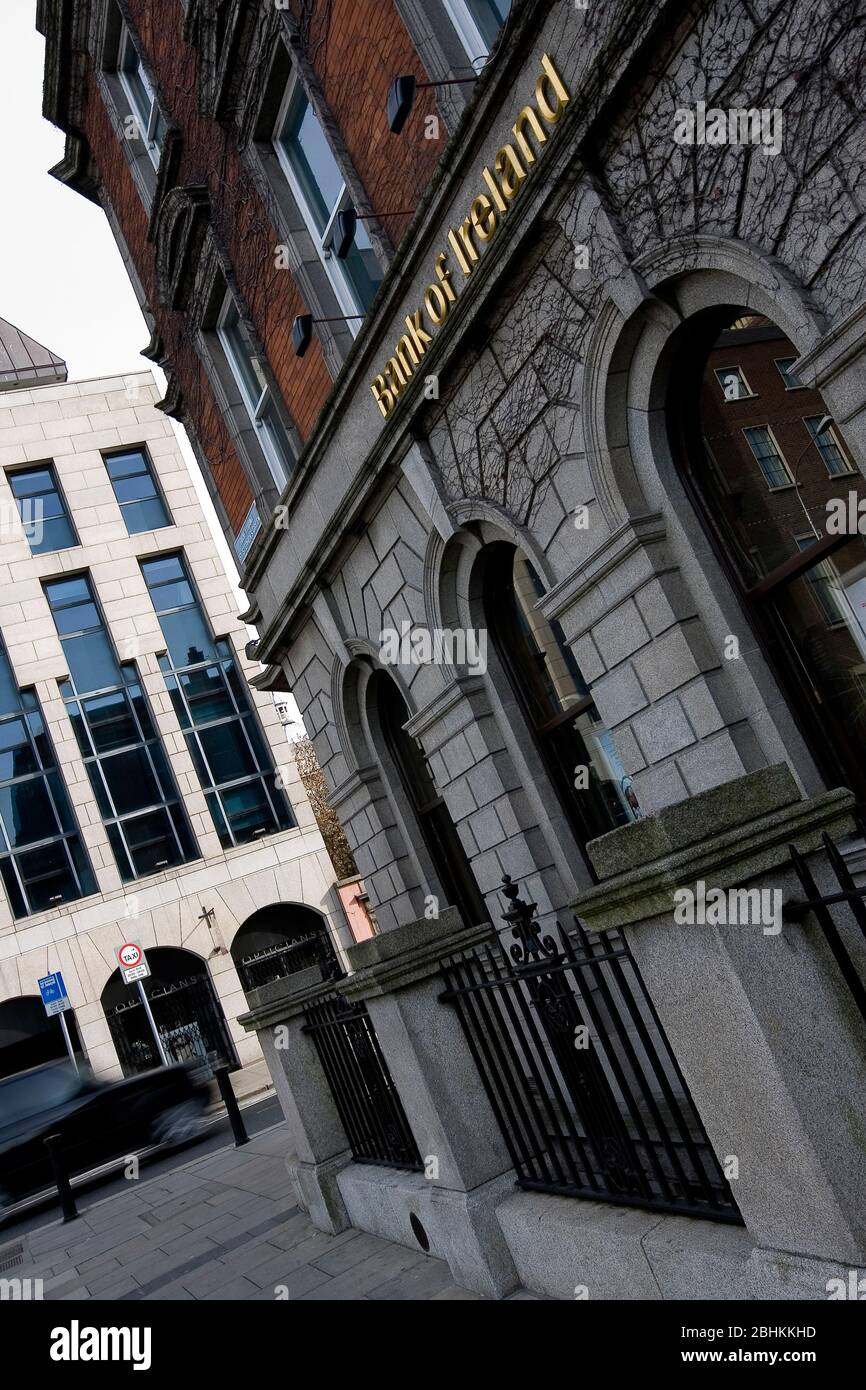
[96,1120]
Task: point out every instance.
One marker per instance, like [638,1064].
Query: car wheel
[178,1124]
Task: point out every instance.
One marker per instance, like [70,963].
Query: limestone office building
[146,793]
[522,348]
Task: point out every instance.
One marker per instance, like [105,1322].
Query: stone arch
[628,356]
[185,1007]
[630,375]
[450,587]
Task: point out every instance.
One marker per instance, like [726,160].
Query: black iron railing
[360,1083]
[276,962]
[585,1088]
[835,931]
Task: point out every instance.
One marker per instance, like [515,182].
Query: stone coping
[281,999]
[411,952]
[688,822]
[725,859]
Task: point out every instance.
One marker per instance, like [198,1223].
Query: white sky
[61,276]
[62,279]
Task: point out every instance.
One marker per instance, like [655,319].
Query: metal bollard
[61,1178]
[236,1119]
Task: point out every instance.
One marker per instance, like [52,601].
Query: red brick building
[191,98]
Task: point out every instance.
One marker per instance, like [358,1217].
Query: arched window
[437,831]
[778,493]
[279,940]
[183,1009]
[576,748]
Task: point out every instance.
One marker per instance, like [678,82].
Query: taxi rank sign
[510,169]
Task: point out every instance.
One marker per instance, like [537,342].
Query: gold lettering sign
[512,165]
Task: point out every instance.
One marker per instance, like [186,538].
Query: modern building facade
[522,346]
[147,793]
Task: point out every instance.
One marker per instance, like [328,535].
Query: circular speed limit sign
[129,955]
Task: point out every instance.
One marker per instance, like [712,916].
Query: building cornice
[64,24]
[579,125]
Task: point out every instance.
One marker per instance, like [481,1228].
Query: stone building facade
[508,463]
[94,484]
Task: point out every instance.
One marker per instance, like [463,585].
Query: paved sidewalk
[223,1226]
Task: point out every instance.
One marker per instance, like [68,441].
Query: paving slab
[226,1228]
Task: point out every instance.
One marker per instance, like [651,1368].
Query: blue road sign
[53,992]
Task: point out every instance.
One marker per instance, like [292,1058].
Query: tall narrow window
[320,191]
[42,509]
[135,488]
[769,460]
[128,770]
[828,446]
[214,711]
[791,381]
[141,97]
[576,748]
[437,830]
[42,859]
[256,394]
[477,23]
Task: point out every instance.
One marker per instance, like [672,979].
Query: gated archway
[29,1038]
[185,1009]
[279,940]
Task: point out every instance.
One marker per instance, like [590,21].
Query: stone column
[318,1146]
[467,1167]
[761,1021]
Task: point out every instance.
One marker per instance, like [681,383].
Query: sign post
[57,1001]
[134,968]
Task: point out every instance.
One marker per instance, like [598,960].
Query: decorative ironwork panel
[361,1085]
[585,1088]
[276,962]
[190,1023]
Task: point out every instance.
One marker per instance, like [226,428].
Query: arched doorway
[575,748]
[280,940]
[436,831]
[778,494]
[185,1009]
[29,1038]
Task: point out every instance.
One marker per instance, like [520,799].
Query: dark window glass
[227,752]
[437,831]
[153,842]
[17,752]
[130,780]
[321,192]
[213,709]
[116,734]
[801,584]
[41,856]
[187,637]
[91,661]
[206,694]
[136,491]
[42,509]
[111,721]
[577,750]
